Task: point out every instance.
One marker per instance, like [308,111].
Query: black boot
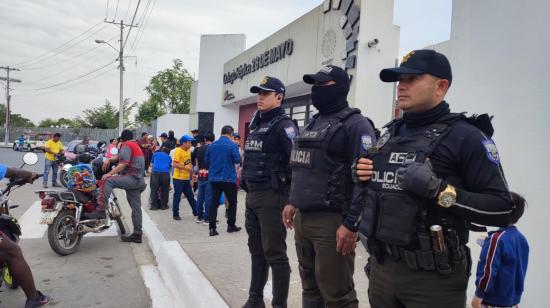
[280,274]
[312,303]
[134,237]
[213,232]
[257,283]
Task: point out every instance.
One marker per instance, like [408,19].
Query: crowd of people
[409,195]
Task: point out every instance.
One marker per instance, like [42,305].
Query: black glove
[243,185]
[20,174]
[354,175]
[419,179]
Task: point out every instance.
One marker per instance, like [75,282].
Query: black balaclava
[330,99]
[424,118]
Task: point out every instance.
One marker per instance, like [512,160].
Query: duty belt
[424,259]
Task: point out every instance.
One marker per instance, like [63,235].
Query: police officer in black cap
[266,177]
[328,214]
[432,173]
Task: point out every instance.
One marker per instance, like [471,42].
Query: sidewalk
[224,260]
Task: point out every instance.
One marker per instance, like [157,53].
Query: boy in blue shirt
[503,264]
[160,179]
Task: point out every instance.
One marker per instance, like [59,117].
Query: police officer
[266,177]
[433,172]
[328,217]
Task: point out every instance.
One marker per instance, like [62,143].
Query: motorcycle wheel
[62,235]
[118,220]
[63,177]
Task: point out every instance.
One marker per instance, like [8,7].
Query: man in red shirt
[127,175]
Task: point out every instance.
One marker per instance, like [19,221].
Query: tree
[149,111]
[61,122]
[16,120]
[170,89]
[105,116]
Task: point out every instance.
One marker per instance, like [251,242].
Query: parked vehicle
[33,142]
[71,214]
[8,224]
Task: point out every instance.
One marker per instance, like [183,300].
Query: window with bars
[302,114]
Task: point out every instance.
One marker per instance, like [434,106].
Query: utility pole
[8,99]
[122,25]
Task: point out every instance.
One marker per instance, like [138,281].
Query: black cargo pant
[326,274]
[394,285]
[267,243]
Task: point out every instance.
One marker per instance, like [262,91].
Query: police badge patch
[366,142]
[491,150]
[383,139]
[290,132]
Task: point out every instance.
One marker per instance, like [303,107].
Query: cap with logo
[269,84]
[416,62]
[328,73]
[186,138]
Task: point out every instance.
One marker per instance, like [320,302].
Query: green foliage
[170,89]
[16,120]
[149,111]
[61,122]
[105,116]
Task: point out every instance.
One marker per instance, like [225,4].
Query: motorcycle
[8,224]
[71,214]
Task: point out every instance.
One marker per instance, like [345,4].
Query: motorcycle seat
[82,197]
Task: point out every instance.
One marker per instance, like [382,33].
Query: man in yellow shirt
[183,171]
[52,147]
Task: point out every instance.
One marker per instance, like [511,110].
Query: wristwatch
[447,197]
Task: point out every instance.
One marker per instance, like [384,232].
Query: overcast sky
[169,29]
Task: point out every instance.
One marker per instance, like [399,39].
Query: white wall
[372,96]
[179,123]
[499,54]
[215,50]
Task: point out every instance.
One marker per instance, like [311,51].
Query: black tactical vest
[318,180]
[258,165]
[392,215]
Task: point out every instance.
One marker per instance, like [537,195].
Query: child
[160,179]
[503,264]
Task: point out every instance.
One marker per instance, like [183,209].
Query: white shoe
[206,223]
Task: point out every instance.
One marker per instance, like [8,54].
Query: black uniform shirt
[468,159]
[281,137]
[347,144]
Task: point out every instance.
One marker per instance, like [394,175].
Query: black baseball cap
[163,135]
[416,62]
[328,73]
[270,84]
[126,135]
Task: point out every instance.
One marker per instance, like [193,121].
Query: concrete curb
[186,283]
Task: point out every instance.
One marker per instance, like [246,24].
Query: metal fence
[67,134]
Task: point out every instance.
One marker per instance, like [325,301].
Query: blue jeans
[203,199]
[54,166]
[183,186]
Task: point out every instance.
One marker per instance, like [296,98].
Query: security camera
[372,43]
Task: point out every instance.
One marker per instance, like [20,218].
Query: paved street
[103,273]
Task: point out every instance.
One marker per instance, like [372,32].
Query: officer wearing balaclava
[322,206]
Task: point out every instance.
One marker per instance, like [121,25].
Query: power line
[64,61]
[24,63]
[65,87]
[69,80]
[131,24]
[116,9]
[144,24]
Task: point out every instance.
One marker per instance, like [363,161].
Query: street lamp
[121,69]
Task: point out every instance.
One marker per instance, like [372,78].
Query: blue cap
[186,138]
[270,84]
[417,62]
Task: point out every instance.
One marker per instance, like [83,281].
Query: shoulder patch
[491,150]
[290,132]
[366,142]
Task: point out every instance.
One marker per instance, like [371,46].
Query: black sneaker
[132,238]
[213,232]
[38,301]
[154,208]
[177,218]
[231,229]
